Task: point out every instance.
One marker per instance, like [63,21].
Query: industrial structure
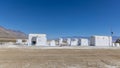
[101,41]
[83,42]
[74,42]
[37,40]
[41,40]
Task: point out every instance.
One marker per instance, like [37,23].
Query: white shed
[83,42]
[37,40]
[101,41]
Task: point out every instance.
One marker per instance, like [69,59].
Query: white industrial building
[83,42]
[101,41]
[41,40]
[37,40]
[74,42]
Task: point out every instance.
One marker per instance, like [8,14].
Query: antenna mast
[111,34]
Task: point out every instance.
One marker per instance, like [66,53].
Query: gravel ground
[59,58]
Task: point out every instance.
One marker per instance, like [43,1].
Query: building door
[34,40]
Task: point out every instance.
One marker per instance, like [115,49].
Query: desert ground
[59,58]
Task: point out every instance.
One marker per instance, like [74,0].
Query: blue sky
[60,18]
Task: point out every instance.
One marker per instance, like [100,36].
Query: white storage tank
[83,42]
[101,41]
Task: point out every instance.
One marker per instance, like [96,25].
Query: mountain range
[14,34]
[11,34]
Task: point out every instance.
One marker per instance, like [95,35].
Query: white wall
[101,41]
[74,42]
[41,39]
[83,42]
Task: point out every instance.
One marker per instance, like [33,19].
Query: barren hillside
[11,34]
